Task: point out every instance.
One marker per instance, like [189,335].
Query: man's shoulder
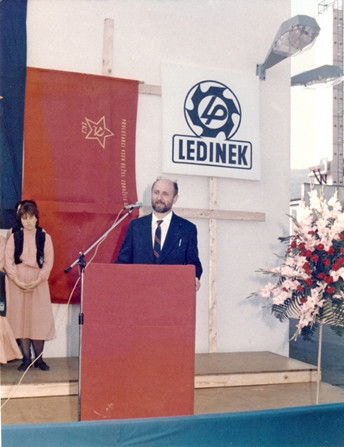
[182,221]
[141,220]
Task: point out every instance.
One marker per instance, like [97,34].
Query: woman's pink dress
[30,313]
[8,346]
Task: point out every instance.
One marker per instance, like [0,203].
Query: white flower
[314,200]
[335,204]
[266,291]
[280,296]
[322,222]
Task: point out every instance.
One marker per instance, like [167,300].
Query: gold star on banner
[98,131]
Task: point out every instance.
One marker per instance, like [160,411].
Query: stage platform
[237,382]
[249,369]
[218,370]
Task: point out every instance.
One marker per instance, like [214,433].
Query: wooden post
[212,316]
[212,214]
[107,47]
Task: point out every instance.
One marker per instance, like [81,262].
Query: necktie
[157,240]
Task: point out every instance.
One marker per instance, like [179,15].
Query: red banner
[79,164]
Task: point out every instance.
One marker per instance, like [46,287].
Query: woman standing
[29,259]
[8,346]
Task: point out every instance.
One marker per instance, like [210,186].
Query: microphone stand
[80,260]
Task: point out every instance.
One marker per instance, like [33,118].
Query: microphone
[133,205]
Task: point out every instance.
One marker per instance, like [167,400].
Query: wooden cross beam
[213,214]
[108,47]
[199,213]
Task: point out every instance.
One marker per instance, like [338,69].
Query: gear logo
[213,113]
[212,110]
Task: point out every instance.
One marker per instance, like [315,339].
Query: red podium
[138,341]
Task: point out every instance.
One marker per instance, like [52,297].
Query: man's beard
[161,207]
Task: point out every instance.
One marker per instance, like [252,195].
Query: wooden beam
[212,214]
[147,89]
[212,300]
[196,213]
[251,379]
[107,47]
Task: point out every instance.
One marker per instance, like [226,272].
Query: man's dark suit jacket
[180,246]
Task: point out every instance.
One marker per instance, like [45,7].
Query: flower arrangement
[310,284]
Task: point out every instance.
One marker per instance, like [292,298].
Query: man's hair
[174,183]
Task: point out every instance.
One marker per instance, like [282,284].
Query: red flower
[330,251]
[328,279]
[335,267]
[341,236]
[340,261]
[330,290]
[308,254]
[293,244]
[315,258]
[302,246]
[300,288]
[321,275]
[309,282]
[320,247]
[306,265]
[303,300]
[326,262]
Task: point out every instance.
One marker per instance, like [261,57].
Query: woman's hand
[27,287]
[32,285]
[20,284]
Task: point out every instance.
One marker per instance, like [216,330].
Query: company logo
[213,113]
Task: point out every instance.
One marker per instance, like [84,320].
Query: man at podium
[162,237]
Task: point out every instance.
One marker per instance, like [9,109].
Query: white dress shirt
[164,227]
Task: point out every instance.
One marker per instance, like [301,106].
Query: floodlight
[326,74]
[292,37]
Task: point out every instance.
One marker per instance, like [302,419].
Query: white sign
[210,122]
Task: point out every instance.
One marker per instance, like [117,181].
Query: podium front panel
[138,341]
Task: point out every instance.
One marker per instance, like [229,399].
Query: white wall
[222,34]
